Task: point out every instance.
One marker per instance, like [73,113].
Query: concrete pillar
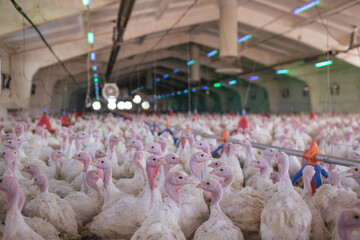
[228,30]
[195,68]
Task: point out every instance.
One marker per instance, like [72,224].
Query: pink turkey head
[100,154]
[9,187]
[42,182]
[91,179]
[261,164]
[33,170]
[11,144]
[225,174]
[348,221]
[174,182]
[154,148]
[19,128]
[137,159]
[214,187]
[81,135]
[354,172]
[172,158]
[136,144]
[56,155]
[216,164]
[39,131]
[203,145]
[354,155]
[275,177]
[84,158]
[8,136]
[103,163]
[153,164]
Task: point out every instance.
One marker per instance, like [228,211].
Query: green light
[216,85]
[96,79]
[86,2]
[90,37]
[191,62]
[282,71]
[323,64]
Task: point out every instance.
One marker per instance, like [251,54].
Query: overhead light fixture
[323,64]
[121,105]
[191,62]
[305,7]
[176,70]
[96,80]
[94,68]
[157,80]
[244,38]
[86,2]
[145,105]
[204,87]
[167,95]
[252,78]
[96,105]
[136,99]
[186,91]
[216,85]
[111,105]
[95,75]
[193,90]
[128,105]
[90,37]
[92,56]
[166,76]
[212,53]
[232,82]
[282,71]
[178,92]
[159,96]
[163,96]
[173,94]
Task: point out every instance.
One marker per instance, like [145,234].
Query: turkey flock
[110,177]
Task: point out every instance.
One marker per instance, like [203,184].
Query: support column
[195,68]
[228,30]
[149,82]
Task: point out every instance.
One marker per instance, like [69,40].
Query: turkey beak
[212,172]
[198,186]
[93,164]
[182,162]
[63,155]
[163,162]
[73,157]
[348,173]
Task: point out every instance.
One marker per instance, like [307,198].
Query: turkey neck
[268,159]
[284,176]
[344,231]
[151,174]
[173,192]
[195,169]
[264,171]
[307,191]
[44,187]
[217,194]
[92,183]
[78,143]
[107,176]
[163,146]
[16,200]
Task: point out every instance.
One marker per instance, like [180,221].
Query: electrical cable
[19,9]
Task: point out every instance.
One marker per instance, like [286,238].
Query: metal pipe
[318,157]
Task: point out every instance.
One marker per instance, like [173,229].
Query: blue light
[244,38]
[95,68]
[166,76]
[193,90]
[157,80]
[282,71]
[155,97]
[191,62]
[44,110]
[142,87]
[252,78]
[173,94]
[167,95]
[243,112]
[232,82]
[212,53]
[92,56]
[305,7]
[204,87]
[176,70]
[95,75]
[178,92]
[186,91]
[159,96]
[163,96]
[63,112]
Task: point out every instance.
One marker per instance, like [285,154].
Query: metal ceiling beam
[125,10]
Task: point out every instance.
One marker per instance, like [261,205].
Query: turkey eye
[173,157]
[154,159]
[10,142]
[102,161]
[208,183]
[216,164]
[221,169]
[356,216]
[180,177]
[79,155]
[258,162]
[99,152]
[356,169]
[200,143]
[202,155]
[152,147]
[59,152]
[28,167]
